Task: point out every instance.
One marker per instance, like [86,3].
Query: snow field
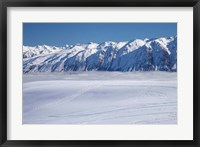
[100,98]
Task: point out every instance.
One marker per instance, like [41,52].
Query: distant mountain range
[157,54]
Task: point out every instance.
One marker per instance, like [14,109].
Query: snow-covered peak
[131,46]
[92,45]
[138,54]
[135,44]
[29,51]
[108,43]
[162,43]
[121,44]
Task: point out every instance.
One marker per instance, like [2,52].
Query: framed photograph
[104,73]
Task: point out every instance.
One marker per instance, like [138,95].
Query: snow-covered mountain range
[158,54]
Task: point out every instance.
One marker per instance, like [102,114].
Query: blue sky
[60,34]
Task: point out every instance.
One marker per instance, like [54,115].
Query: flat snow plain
[100,98]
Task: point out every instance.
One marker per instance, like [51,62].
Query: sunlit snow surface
[100,98]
